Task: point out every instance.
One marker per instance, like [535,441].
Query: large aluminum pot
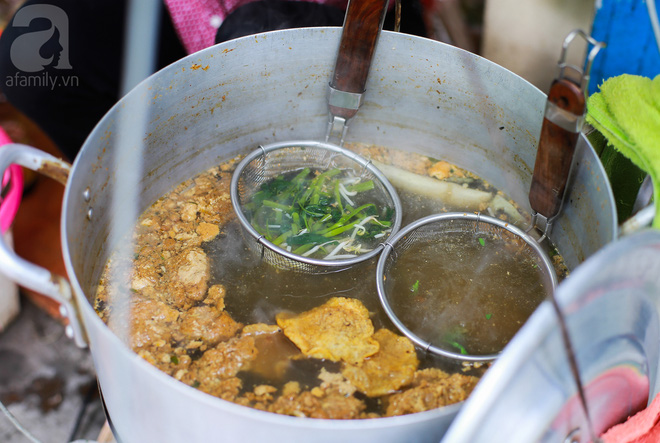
[422,96]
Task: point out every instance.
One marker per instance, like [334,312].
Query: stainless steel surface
[272,160]
[612,305]
[337,129]
[343,99]
[20,270]
[431,230]
[422,96]
[588,216]
[644,195]
[642,219]
[564,119]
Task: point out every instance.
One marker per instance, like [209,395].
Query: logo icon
[34,51]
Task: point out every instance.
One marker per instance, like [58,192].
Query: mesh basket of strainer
[313,207]
[460,284]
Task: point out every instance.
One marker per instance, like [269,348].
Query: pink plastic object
[12,182]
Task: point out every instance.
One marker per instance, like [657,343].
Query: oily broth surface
[467,292]
[257,292]
[248,295]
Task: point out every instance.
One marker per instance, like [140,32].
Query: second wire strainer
[425,283]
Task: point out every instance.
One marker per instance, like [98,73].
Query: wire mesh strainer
[419,267]
[277,159]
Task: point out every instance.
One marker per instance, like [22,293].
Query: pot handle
[22,271]
[362,25]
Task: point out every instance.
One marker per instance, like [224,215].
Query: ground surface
[46,382]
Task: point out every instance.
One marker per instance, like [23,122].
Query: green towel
[627,112]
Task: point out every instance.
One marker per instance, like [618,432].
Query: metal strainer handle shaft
[563,120]
[362,25]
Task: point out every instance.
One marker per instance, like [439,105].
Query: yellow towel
[626,111]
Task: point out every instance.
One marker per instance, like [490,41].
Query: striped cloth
[197,21]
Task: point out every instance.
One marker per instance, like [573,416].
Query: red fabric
[197,21]
[642,427]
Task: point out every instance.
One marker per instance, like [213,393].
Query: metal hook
[340,131]
[476,222]
[583,74]
[543,224]
[263,156]
[427,347]
[365,166]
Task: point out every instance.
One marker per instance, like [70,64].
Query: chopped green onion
[459,347]
[488,316]
[310,212]
[279,240]
[307,237]
[272,204]
[415,286]
[482,242]
[361,187]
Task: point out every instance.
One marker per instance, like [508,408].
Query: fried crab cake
[339,330]
[392,367]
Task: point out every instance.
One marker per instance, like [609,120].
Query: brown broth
[255,292]
[466,292]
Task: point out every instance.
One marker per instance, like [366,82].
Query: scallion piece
[321,214]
